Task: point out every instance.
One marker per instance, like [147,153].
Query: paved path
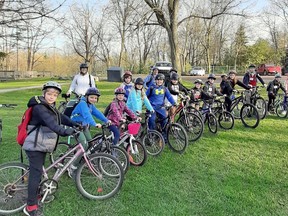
[19,89]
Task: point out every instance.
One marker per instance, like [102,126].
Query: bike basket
[133,128]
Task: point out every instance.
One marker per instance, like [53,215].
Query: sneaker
[72,171]
[35,212]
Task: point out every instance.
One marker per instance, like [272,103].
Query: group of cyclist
[156,91]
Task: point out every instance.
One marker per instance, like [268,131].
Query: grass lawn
[238,172]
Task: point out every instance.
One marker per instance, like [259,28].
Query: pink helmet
[119,90]
[127,73]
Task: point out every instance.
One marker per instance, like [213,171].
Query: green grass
[238,172]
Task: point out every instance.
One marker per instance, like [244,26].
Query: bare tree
[15,11]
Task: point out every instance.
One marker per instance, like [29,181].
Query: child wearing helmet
[116,113]
[272,89]
[156,95]
[210,87]
[137,97]
[81,81]
[197,94]
[44,129]
[127,83]
[150,79]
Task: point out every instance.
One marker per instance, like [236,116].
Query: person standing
[150,79]
[251,76]
[81,81]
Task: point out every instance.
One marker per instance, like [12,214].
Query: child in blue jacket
[127,84]
[156,95]
[137,96]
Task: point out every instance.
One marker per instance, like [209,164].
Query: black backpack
[70,107]
[107,109]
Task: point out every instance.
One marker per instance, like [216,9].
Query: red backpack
[22,127]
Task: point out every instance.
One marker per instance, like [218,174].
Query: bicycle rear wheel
[121,155]
[13,187]
[212,123]
[137,153]
[249,116]
[226,120]
[106,183]
[261,107]
[153,142]
[193,125]
[235,110]
[177,138]
[281,110]
[62,148]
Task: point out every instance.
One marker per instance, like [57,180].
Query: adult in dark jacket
[251,76]
[43,139]
[272,89]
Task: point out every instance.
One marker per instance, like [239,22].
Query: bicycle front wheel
[212,123]
[249,116]
[153,142]
[226,120]
[177,138]
[261,107]
[137,153]
[235,110]
[121,155]
[107,181]
[13,187]
[193,125]
[281,110]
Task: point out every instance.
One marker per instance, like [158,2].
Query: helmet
[252,66]
[92,91]
[212,76]
[173,70]
[174,76]
[154,68]
[119,90]
[277,75]
[84,65]
[223,75]
[232,72]
[160,76]
[52,84]
[127,73]
[139,81]
[198,81]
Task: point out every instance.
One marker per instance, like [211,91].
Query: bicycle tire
[13,195]
[121,155]
[103,186]
[249,116]
[193,125]
[212,123]
[153,142]
[281,111]
[261,107]
[139,156]
[177,138]
[236,109]
[226,120]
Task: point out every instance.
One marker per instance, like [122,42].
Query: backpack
[70,107]
[107,109]
[22,127]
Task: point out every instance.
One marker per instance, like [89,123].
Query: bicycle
[174,134]
[279,107]
[225,119]
[151,139]
[66,107]
[99,176]
[101,143]
[190,121]
[10,106]
[258,101]
[245,111]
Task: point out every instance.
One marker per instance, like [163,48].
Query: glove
[98,125]
[69,131]
[265,85]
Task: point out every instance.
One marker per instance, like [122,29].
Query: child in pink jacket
[116,113]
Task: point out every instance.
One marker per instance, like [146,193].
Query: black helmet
[198,81]
[223,75]
[52,84]
[252,66]
[212,76]
[84,65]
[92,91]
[174,76]
[160,76]
[232,72]
[139,81]
[173,70]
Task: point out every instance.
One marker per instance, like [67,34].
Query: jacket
[135,101]
[127,88]
[251,79]
[48,121]
[176,89]
[83,113]
[117,110]
[81,83]
[157,94]
[274,86]
[226,88]
[211,89]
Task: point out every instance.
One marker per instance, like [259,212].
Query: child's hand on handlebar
[98,126]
